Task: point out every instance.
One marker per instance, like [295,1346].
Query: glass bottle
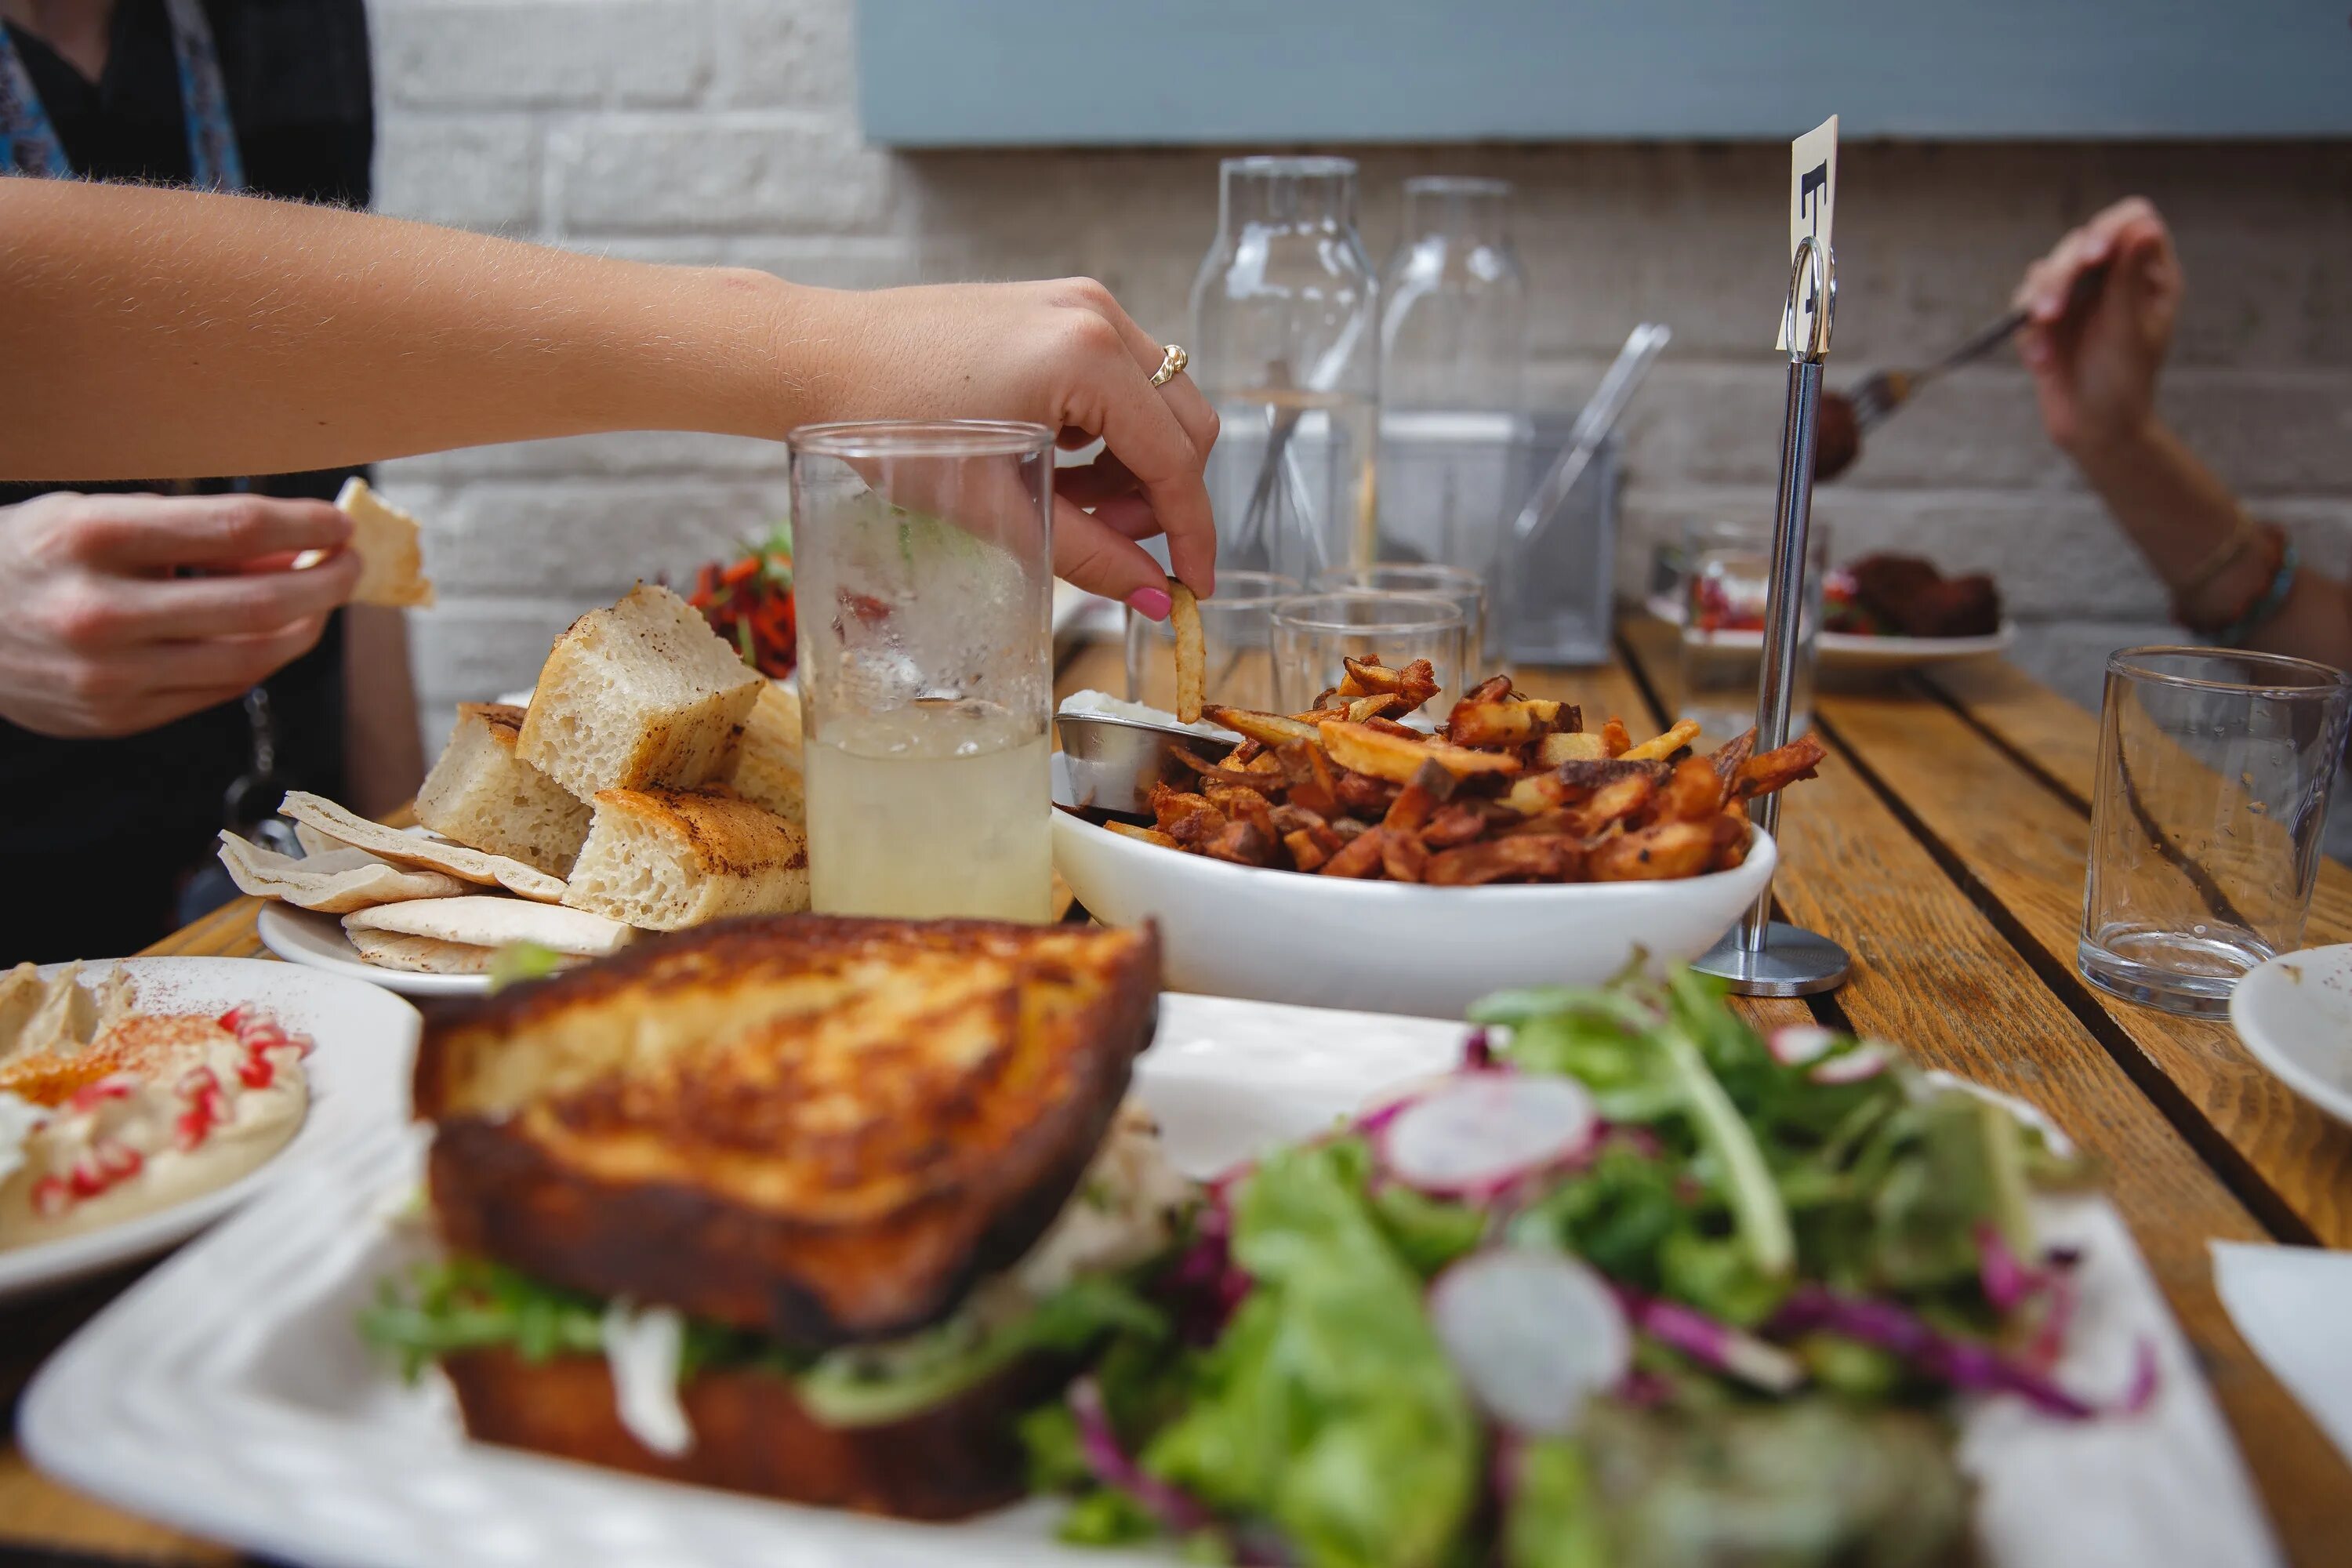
[1456,442]
[1286,346]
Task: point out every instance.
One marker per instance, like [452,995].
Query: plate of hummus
[142,1098]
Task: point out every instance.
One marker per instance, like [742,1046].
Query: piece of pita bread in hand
[483,920]
[408,849]
[392,563]
[333,881]
[420,954]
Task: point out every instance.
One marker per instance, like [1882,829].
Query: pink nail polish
[1153,604]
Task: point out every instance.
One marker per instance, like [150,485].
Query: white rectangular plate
[229,1395]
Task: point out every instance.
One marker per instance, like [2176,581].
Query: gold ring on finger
[1173,365]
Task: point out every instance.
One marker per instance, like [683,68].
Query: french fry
[1365,708]
[1239,778]
[1192,652]
[1304,852]
[1662,852]
[1146,835]
[1614,740]
[1535,860]
[1245,754]
[1453,826]
[1612,803]
[1503,723]
[1365,750]
[1422,793]
[1266,728]
[1308,773]
[1369,677]
[1390,727]
[1243,843]
[1562,747]
[1363,794]
[1779,769]
[1692,793]
[1360,858]
[1494,688]
[1729,757]
[1402,856]
[1419,683]
[1659,747]
[1536,793]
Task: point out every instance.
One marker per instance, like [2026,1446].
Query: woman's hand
[1062,354]
[98,637]
[2094,367]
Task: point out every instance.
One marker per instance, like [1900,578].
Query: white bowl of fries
[1337,859]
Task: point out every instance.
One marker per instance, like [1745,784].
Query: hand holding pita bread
[118,613]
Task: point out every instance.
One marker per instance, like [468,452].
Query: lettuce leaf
[1328,1408]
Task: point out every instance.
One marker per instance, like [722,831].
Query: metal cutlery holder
[1557,593]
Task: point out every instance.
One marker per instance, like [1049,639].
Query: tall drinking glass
[1467,588]
[923,563]
[2205,825]
[1316,634]
[1726,579]
[1236,633]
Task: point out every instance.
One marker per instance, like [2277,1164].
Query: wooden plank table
[1944,846]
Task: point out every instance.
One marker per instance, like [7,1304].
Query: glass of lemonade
[923,566]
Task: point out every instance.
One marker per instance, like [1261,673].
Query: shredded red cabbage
[1478,1051]
[1177,1512]
[1963,1364]
[1710,1342]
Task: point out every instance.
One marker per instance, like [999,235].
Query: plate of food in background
[1880,612]
[652,782]
[142,1098]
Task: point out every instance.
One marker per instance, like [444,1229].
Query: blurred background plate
[2294,1014]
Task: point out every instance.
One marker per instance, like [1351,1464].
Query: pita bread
[334,882]
[408,849]
[392,563]
[314,842]
[420,954]
[488,921]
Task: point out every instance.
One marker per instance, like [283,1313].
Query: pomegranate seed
[232,1020]
[255,1074]
[90,1096]
[120,1161]
[50,1197]
[196,1082]
[86,1179]
[192,1129]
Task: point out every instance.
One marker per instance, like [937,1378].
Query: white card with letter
[1812,202]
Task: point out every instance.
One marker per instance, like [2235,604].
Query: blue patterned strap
[28,140]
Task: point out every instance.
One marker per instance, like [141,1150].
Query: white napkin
[2293,1304]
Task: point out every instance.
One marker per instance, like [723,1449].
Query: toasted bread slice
[822,1129]
[481,794]
[642,693]
[664,860]
[767,766]
[955,1459]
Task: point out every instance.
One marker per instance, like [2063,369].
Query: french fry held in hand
[1192,651]
[1512,789]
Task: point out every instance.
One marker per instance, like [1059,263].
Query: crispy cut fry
[1779,768]
[1245,754]
[1536,793]
[1192,652]
[1308,773]
[1494,688]
[1364,709]
[1363,795]
[1564,746]
[1613,803]
[1692,793]
[1243,843]
[1239,778]
[1304,852]
[1662,852]
[1544,859]
[1418,684]
[1266,728]
[1729,757]
[1503,723]
[1148,835]
[1614,740]
[1453,826]
[1402,856]
[1657,747]
[1369,750]
[1422,793]
[1368,675]
[1361,858]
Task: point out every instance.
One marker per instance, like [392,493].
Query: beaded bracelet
[2273,599]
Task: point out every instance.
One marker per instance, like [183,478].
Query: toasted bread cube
[640,694]
[481,794]
[664,860]
[767,766]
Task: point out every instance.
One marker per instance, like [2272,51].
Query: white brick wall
[726,131]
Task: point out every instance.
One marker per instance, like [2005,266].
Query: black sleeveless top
[98,834]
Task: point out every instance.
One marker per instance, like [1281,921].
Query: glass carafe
[1455,443]
[1286,343]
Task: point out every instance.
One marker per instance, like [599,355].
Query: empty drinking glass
[1236,630]
[1316,634]
[2212,789]
[1466,588]
[924,571]
[1726,577]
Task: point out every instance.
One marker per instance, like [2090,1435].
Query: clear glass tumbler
[1455,439]
[1466,588]
[1726,578]
[1237,634]
[2214,768]
[1316,634]
[1285,345]
[923,563]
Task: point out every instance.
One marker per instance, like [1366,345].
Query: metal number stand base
[1762,956]
[1792,961]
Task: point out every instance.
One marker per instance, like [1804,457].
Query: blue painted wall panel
[1179,72]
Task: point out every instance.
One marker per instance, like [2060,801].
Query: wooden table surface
[1944,845]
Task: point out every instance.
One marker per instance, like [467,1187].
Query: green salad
[1634,1288]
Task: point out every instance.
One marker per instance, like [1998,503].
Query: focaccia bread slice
[642,693]
[387,539]
[481,794]
[664,860]
[766,766]
[822,1129]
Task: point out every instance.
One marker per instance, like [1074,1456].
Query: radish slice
[1479,1131]
[1800,1043]
[1865,1061]
[1533,1333]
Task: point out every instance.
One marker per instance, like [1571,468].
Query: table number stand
[1762,956]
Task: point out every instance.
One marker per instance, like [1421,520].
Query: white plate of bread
[652,782]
